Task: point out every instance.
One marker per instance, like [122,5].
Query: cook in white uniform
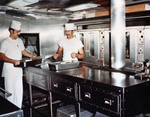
[11,51]
[71,47]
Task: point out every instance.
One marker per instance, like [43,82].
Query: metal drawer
[101,98]
[56,83]
[68,88]
[63,86]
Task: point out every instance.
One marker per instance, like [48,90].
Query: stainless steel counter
[102,76]
[112,92]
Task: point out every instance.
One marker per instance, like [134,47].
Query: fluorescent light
[32,1]
[81,7]
[21,3]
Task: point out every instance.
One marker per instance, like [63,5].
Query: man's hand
[16,62]
[33,57]
[73,54]
[55,56]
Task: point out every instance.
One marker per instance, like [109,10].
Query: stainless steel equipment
[98,114]
[112,93]
[38,77]
[7,109]
[142,76]
[61,65]
[145,74]
[99,44]
[25,62]
[69,111]
[4,93]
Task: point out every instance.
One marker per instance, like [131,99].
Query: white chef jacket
[69,46]
[13,75]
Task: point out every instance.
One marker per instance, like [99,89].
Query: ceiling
[58,8]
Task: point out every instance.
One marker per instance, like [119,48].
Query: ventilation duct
[117,33]
[20,14]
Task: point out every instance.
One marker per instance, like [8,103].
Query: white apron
[13,83]
[13,78]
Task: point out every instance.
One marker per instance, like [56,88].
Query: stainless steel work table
[108,77]
[112,93]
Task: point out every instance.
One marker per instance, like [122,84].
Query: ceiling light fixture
[32,1]
[21,3]
[82,7]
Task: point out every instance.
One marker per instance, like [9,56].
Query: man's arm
[25,53]
[58,53]
[79,55]
[6,59]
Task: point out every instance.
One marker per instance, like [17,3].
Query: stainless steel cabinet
[38,78]
[127,99]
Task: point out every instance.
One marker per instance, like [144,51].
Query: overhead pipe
[117,33]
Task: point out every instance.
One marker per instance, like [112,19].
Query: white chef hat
[69,26]
[15,25]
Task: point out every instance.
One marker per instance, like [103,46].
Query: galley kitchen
[74,58]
